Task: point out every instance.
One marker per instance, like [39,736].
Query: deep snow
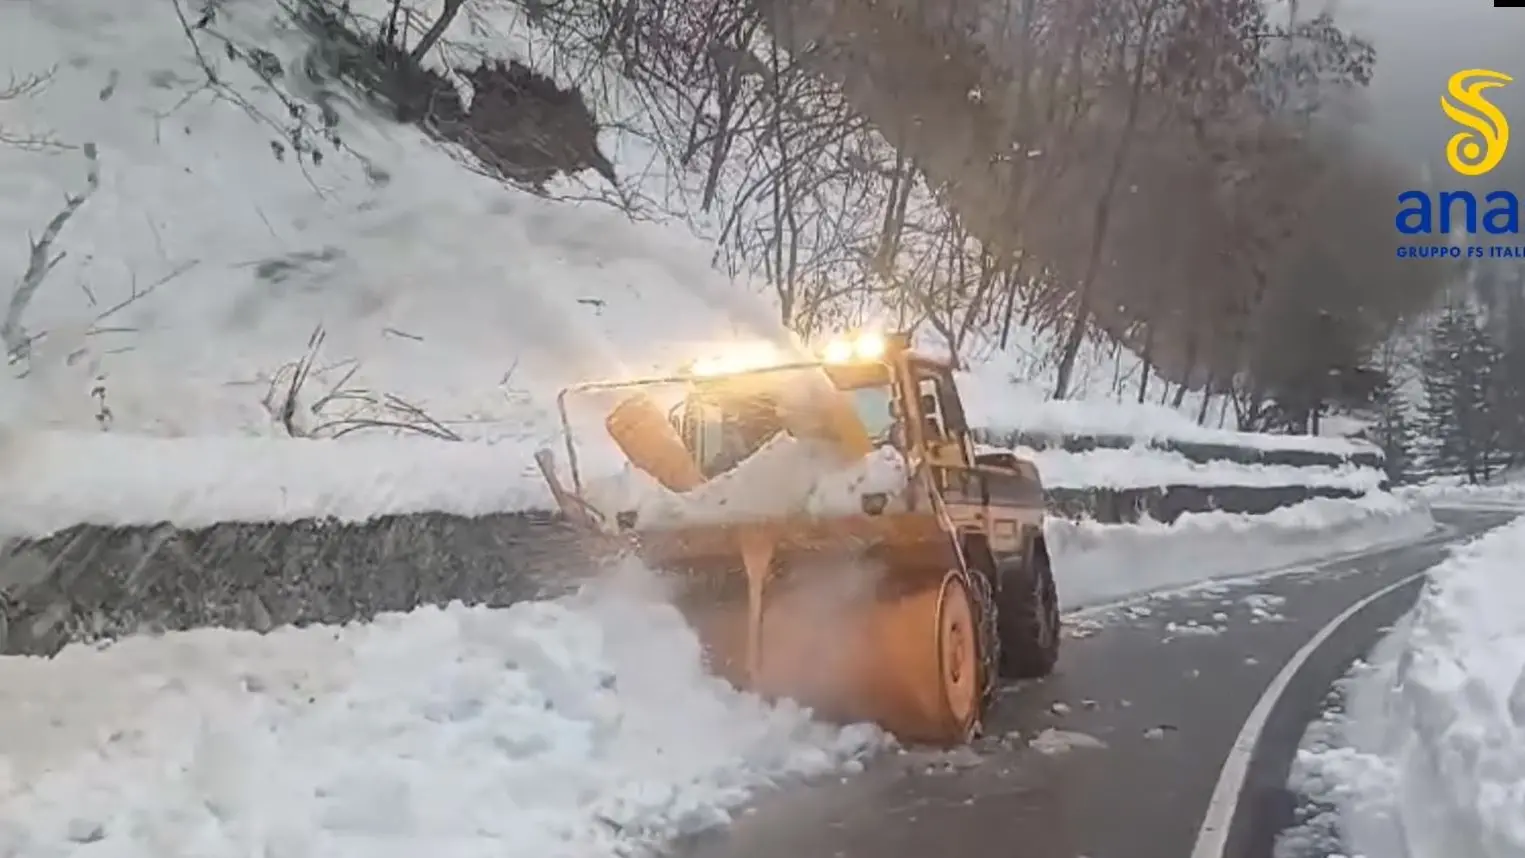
[566,729]
[1430,758]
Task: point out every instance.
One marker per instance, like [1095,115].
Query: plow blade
[887,633]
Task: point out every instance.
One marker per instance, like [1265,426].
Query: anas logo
[1480,148]
[1457,219]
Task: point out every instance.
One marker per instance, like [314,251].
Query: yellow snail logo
[1479,149]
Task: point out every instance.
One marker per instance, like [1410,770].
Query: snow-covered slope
[1432,760]
[547,730]
[436,285]
[1138,467]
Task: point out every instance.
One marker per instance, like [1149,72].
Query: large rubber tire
[1028,617]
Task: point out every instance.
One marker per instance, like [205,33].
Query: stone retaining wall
[1197,451]
[1168,503]
[92,582]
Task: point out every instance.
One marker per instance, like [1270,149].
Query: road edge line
[1218,819]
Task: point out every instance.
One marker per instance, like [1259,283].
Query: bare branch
[42,260]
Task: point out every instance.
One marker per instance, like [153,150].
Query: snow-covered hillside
[431,283]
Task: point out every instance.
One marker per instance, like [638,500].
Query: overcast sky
[1419,44]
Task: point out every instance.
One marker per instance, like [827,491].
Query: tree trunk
[426,44]
[1103,218]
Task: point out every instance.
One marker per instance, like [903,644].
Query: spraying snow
[787,476]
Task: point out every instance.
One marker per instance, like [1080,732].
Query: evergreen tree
[1393,430]
[1509,385]
[1459,377]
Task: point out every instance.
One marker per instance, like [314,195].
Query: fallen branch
[370,411]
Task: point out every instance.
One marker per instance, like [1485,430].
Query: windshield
[872,405]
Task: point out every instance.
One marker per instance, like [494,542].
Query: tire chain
[983,594]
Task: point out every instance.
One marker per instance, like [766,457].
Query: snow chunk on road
[571,729]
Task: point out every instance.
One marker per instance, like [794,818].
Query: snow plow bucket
[640,428]
[861,619]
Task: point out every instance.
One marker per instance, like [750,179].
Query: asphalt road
[1147,702]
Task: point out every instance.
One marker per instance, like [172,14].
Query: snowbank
[1433,760]
[998,403]
[571,729]
[1100,562]
[1141,467]
[53,480]
[1505,495]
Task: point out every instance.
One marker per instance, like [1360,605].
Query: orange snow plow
[834,536]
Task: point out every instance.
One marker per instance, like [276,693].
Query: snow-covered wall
[108,534]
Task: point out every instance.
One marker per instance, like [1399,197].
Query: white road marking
[1212,837]
[1440,533]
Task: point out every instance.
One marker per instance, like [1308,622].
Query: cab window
[930,397]
[725,436]
[937,382]
[709,439]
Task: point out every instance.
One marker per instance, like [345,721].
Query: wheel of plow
[917,666]
[963,681]
[1029,619]
[910,658]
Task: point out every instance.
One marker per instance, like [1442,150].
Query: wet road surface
[1117,754]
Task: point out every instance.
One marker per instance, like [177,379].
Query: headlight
[838,351]
[863,347]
